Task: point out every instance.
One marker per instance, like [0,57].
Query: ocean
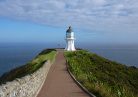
[13,55]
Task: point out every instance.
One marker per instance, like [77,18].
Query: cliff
[27,80]
[30,67]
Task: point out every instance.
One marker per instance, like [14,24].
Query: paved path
[59,83]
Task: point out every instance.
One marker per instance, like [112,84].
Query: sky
[93,21]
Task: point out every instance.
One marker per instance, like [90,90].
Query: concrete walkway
[59,83]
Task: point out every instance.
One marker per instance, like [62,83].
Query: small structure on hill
[70,40]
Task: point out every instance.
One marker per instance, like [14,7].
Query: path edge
[44,79]
[78,83]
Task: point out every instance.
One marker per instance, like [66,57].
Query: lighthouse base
[70,45]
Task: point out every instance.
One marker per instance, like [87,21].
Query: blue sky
[93,21]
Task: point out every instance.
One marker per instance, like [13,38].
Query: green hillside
[103,77]
[30,67]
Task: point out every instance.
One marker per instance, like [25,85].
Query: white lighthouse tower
[70,40]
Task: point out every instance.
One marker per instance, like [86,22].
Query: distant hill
[102,77]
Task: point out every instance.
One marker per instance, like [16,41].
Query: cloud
[99,15]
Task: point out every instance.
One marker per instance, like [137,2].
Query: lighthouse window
[68,35]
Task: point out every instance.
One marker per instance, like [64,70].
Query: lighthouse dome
[69,30]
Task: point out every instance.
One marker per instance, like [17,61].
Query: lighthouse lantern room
[70,40]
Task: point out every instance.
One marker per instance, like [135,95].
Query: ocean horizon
[13,55]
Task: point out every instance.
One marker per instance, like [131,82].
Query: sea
[13,55]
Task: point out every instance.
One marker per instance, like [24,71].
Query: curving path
[59,83]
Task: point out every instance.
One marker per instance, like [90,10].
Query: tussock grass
[103,77]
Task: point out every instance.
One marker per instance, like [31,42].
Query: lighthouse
[70,40]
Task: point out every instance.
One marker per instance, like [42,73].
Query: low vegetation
[30,67]
[102,77]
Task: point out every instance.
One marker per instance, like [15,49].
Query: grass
[30,67]
[103,77]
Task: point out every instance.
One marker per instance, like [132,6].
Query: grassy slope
[103,77]
[30,67]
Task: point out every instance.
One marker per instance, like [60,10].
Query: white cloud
[101,15]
